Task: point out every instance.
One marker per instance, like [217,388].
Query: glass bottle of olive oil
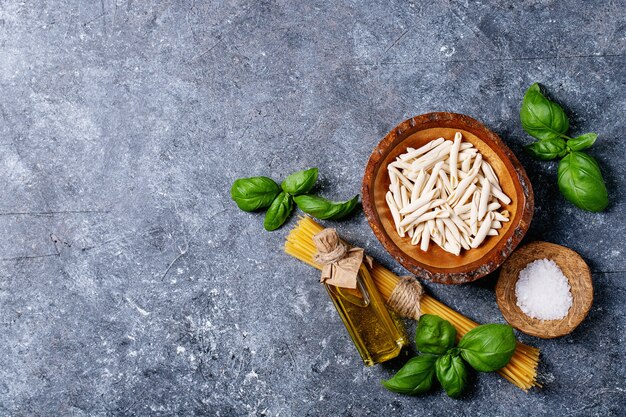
[377,335]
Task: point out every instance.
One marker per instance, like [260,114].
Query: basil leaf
[488,347]
[580,181]
[548,149]
[278,212]
[415,377]
[582,142]
[324,209]
[300,182]
[452,374]
[542,118]
[254,193]
[434,335]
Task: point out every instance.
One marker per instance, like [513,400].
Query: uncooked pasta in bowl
[445,192]
[446,197]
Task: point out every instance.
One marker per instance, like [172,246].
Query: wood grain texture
[578,276]
[436,264]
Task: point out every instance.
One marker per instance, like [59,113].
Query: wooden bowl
[578,276]
[436,264]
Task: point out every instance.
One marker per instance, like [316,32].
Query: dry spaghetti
[521,370]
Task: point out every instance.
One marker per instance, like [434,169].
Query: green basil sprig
[415,377]
[541,118]
[256,193]
[580,179]
[548,149]
[278,212]
[324,209]
[434,335]
[582,142]
[489,347]
[452,374]
[300,182]
[485,348]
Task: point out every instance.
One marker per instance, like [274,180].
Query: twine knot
[340,262]
[329,248]
[405,298]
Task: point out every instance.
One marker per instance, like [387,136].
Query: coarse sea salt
[542,291]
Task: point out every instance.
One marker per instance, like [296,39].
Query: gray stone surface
[131,284]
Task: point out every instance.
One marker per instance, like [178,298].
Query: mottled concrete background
[130,284]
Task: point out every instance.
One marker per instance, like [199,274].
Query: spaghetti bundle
[521,370]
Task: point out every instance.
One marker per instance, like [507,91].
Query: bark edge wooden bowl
[436,264]
[578,276]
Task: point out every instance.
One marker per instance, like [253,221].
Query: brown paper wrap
[340,262]
[341,265]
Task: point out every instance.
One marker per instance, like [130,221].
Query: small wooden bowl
[578,276]
[436,264]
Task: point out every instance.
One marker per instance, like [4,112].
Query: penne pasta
[397,195]
[454,158]
[425,239]
[490,175]
[400,164]
[395,214]
[493,206]
[465,242]
[447,185]
[466,165]
[501,196]
[445,192]
[434,152]
[466,196]
[419,183]
[433,178]
[473,223]
[464,156]
[437,154]
[462,209]
[460,190]
[411,218]
[430,164]
[453,230]
[440,229]
[404,195]
[439,184]
[420,202]
[483,230]
[485,193]
[431,215]
[460,224]
[417,234]
[414,153]
[452,247]
[499,217]
[405,181]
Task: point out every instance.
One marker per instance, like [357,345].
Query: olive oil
[376,334]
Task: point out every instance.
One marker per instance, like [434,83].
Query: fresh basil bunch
[485,348]
[579,176]
[256,193]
